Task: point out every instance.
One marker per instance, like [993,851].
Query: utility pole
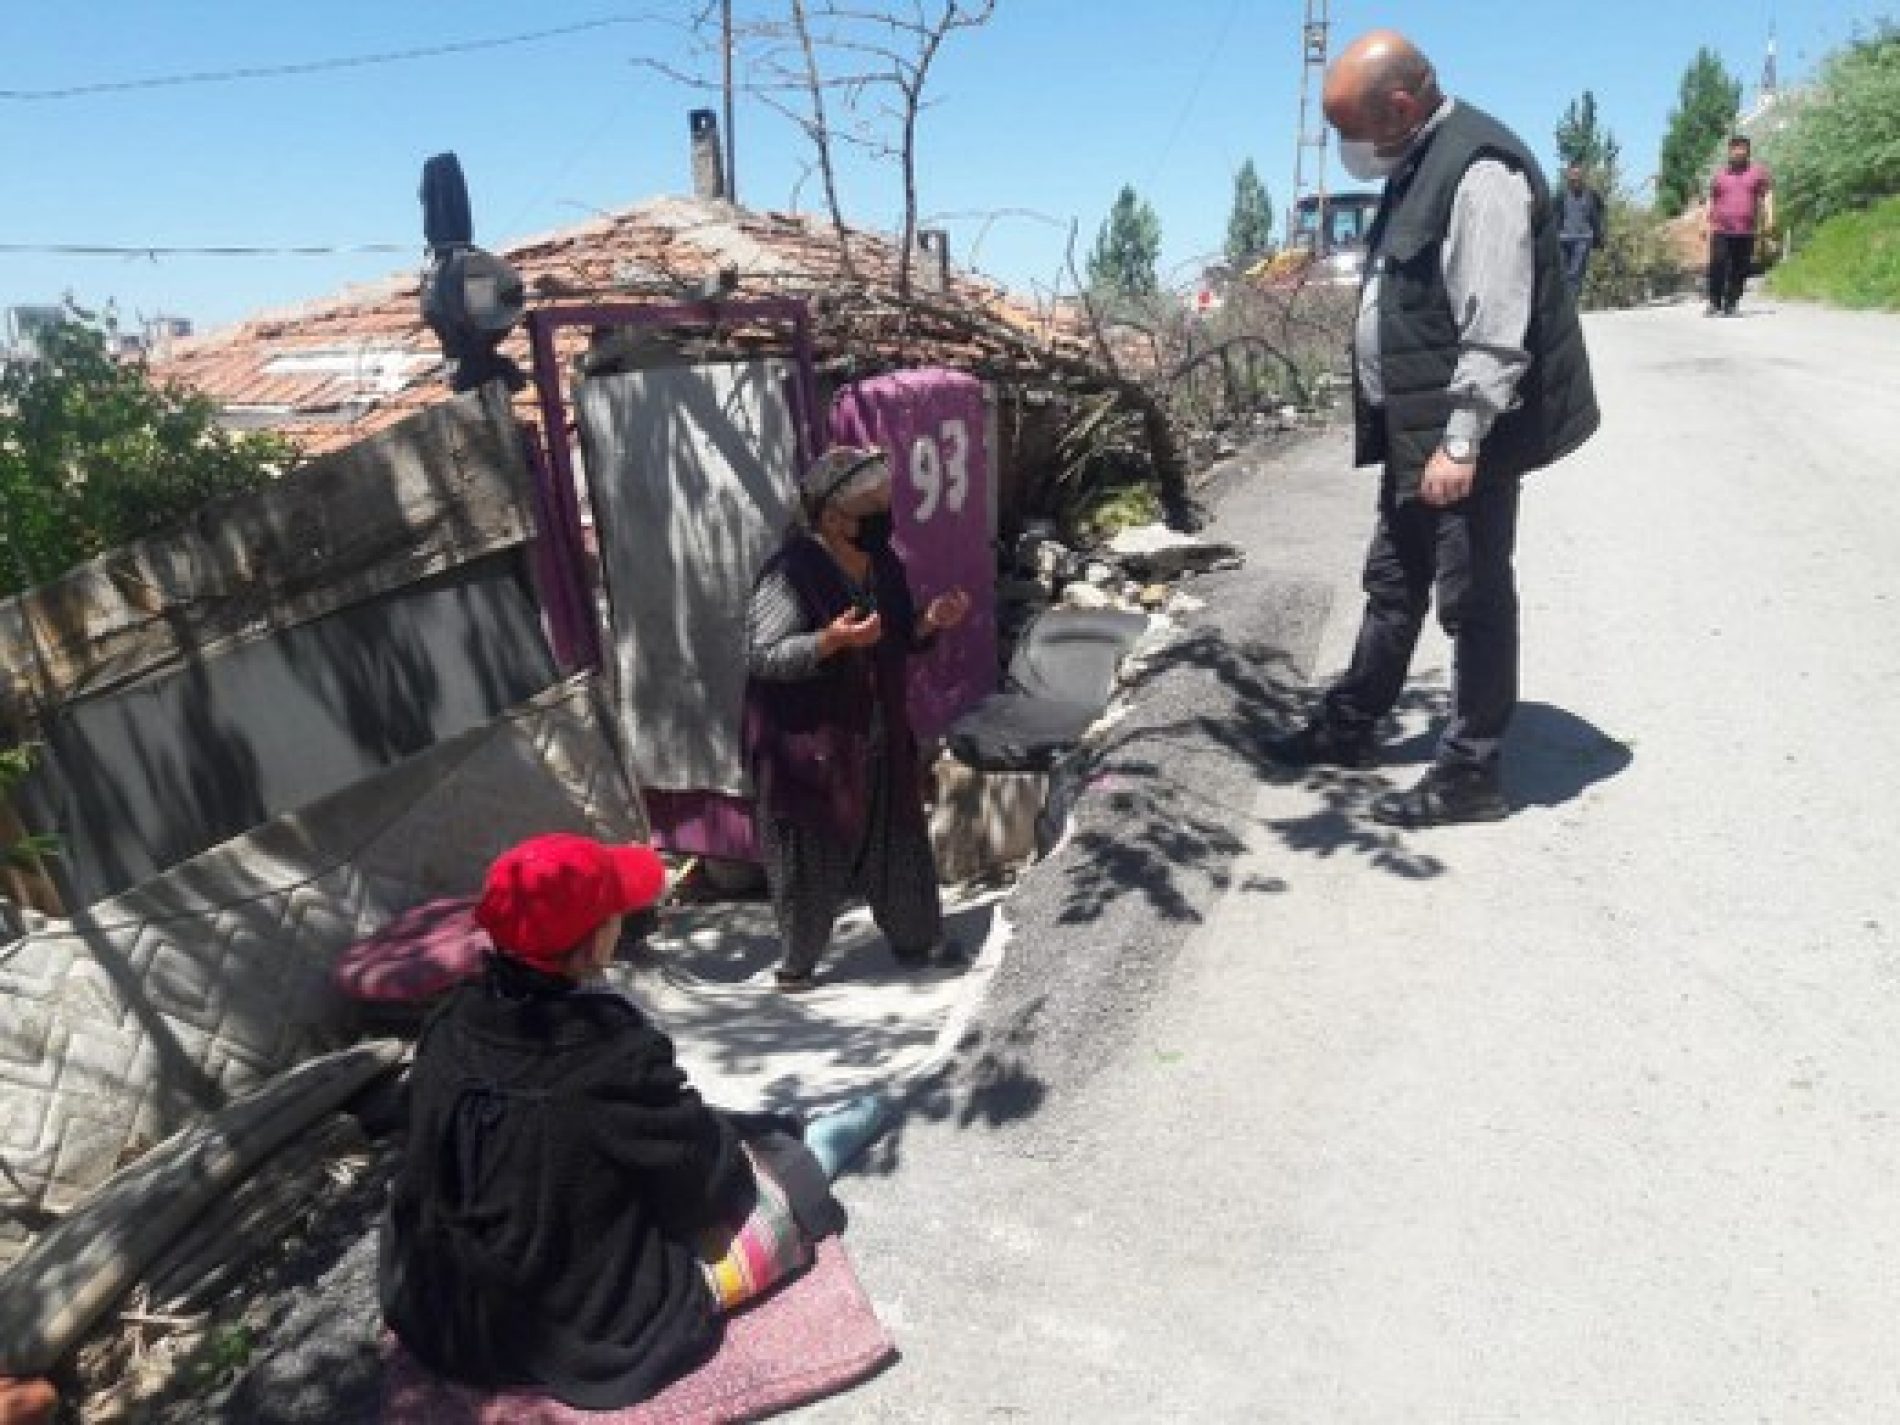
[1309,159]
[732,164]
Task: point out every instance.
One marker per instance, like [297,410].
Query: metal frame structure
[1309,158]
[573,616]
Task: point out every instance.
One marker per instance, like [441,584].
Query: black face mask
[873,533]
[1740,165]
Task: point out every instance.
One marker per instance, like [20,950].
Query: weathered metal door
[691,471]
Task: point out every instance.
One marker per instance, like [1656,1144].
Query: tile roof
[332,371]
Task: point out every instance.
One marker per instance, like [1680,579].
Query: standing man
[1580,228]
[1741,203]
[1470,371]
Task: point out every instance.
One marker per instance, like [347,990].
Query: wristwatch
[1460,450]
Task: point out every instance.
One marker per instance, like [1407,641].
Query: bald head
[1381,89]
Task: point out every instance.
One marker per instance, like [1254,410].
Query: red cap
[543,898]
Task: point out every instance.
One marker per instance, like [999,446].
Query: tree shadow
[258,702]
[871,1027]
[988,1083]
[143,1010]
[1160,813]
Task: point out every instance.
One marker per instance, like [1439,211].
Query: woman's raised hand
[850,630]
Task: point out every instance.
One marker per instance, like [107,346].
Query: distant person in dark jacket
[1580,227]
[831,629]
[558,1171]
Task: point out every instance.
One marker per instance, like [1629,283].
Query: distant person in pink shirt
[1741,203]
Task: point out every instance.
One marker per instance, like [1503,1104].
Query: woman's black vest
[1556,408]
[810,743]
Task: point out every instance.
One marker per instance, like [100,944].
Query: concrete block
[983,823]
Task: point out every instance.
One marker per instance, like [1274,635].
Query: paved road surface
[1593,1115]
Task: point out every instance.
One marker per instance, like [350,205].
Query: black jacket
[1556,408]
[1594,212]
[556,1170]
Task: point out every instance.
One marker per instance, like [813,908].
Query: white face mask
[1364,161]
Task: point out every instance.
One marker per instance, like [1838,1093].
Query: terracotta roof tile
[652,252]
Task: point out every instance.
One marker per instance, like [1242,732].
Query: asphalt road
[1592,1115]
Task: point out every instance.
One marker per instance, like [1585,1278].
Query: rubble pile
[1139,569]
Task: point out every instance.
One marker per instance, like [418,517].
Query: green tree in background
[1250,224]
[94,453]
[1583,140]
[1840,152]
[1704,116]
[1127,248]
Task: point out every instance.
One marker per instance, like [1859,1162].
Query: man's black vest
[1556,408]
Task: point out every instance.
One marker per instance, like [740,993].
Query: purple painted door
[934,424]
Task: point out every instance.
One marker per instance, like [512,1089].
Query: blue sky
[1049,109]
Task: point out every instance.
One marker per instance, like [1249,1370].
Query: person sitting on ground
[831,629]
[565,1200]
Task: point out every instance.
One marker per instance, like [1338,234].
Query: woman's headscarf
[841,473]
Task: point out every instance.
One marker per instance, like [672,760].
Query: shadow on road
[871,1026]
[1551,756]
[1162,816]
[1157,822]
[1554,757]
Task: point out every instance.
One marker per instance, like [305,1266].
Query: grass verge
[1850,261]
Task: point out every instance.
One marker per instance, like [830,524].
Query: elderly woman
[568,1214]
[831,628]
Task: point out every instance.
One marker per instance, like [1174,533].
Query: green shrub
[1851,261]
[1840,150]
[94,453]
[1635,264]
[22,852]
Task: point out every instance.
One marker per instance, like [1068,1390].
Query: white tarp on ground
[692,472]
[869,1024]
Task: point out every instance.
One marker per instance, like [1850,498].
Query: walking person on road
[1470,371]
[1581,230]
[1741,204]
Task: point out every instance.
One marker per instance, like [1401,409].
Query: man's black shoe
[1320,744]
[1442,797]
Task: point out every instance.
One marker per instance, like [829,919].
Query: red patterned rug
[814,1337]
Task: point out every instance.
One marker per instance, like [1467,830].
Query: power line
[317,66]
[609,116]
[1194,94]
[90,249]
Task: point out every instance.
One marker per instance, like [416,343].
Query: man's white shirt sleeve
[1490,268]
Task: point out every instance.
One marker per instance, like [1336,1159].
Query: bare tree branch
[821,136]
[678,76]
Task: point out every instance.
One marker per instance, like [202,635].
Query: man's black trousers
[1463,553]
[1730,257]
